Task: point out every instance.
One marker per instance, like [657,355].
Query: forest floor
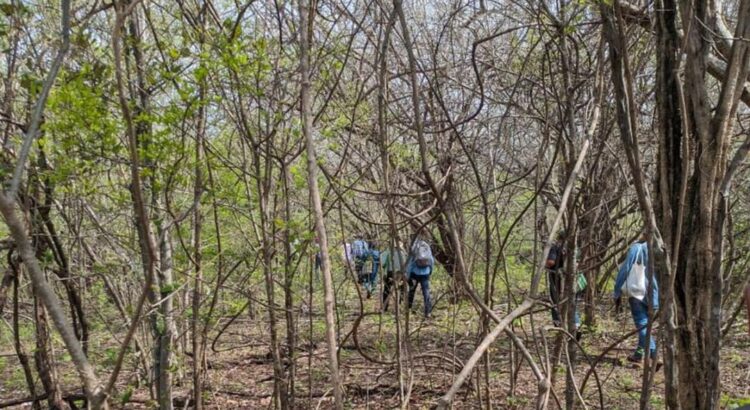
[240,367]
[242,377]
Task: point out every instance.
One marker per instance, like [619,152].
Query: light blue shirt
[413,269]
[622,275]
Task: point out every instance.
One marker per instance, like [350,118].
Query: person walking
[371,279]
[555,265]
[363,252]
[393,262]
[419,268]
[633,282]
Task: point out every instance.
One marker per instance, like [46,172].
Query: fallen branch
[73,396]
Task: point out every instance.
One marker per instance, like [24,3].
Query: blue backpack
[360,249]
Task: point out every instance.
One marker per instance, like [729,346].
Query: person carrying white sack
[633,282]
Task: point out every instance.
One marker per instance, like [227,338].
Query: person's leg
[412,290]
[359,264]
[373,278]
[387,288]
[375,267]
[401,283]
[318,265]
[652,341]
[553,295]
[639,310]
[425,284]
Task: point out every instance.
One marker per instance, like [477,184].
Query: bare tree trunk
[698,298]
[47,296]
[161,319]
[40,206]
[42,288]
[264,176]
[624,94]
[45,365]
[692,282]
[163,359]
[23,358]
[291,332]
[6,283]
[671,178]
[43,357]
[196,320]
[305,32]
[393,242]
[149,254]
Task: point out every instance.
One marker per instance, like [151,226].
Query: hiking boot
[369,293]
[636,359]
[578,336]
[637,356]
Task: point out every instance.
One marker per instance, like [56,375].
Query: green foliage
[166,289]
[734,402]
[80,135]
[14,379]
[126,395]
[657,401]
[517,401]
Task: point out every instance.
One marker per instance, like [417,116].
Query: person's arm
[622,274]
[655,294]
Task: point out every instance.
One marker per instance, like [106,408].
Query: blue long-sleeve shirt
[413,269]
[630,259]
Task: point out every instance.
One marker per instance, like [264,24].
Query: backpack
[422,254]
[636,284]
[359,249]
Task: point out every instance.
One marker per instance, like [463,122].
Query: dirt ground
[242,377]
[240,369]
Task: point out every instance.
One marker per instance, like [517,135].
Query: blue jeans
[639,310]
[424,282]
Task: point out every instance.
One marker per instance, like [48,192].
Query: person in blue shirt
[420,275]
[364,251]
[638,253]
[371,281]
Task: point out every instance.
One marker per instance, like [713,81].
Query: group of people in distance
[365,259]
[634,278]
